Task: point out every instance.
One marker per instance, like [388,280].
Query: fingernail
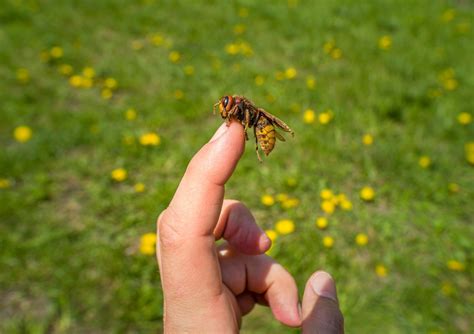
[220,131]
[323,285]
[265,242]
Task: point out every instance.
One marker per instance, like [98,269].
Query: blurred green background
[103,103]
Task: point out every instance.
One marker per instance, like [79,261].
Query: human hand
[207,289]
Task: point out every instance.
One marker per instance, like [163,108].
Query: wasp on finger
[249,115]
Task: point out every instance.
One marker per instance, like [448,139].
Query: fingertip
[320,307]
[264,243]
[323,285]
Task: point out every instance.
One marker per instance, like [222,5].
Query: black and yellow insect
[243,110]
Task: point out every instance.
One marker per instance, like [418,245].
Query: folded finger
[261,275]
[237,225]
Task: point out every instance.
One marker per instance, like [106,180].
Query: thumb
[320,307]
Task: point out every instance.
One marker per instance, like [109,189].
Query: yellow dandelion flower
[148,244]
[424,161]
[453,187]
[239,29]
[290,203]
[321,222]
[290,73]
[137,45]
[22,133]
[157,39]
[324,117]
[188,70]
[22,75]
[341,197]
[464,118]
[450,84]
[110,83]
[86,83]
[310,82]
[448,15]
[267,200]
[469,147]
[285,226]
[291,182]
[56,52]
[243,12]
[280,75]
[455,265]
[281,197]
[309,116]
[385,42]
[470,153]
[367,194]
[232,48]
[75,81]
[178,94]
[367,139]
[336,53]
[328,206]
[326,194]
[4,183]
[130,114]
[88,72]
[328,241]
[106,93]
[65,69]
[245,49]
[381,270]
[271,234]
[446,74]
[346,205]
[470,158]
[174,56]
[361,239]
[150,139]
[119,174]
[259,80]
[139,187]
[447,288]
[328,46]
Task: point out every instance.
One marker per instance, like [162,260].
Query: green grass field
[380,94]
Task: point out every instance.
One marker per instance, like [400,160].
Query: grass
[70,235]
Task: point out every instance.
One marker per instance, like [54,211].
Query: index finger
[187,255]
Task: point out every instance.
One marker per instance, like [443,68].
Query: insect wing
[277,121]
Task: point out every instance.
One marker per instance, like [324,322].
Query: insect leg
[256,144]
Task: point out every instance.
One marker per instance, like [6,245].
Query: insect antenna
[214,107]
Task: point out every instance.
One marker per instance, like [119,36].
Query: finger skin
[320,309]
[190,273]
[237,225]
[261,275]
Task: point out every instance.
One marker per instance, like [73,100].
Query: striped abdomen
[266,134]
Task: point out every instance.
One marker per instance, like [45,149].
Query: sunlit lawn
[104,102]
